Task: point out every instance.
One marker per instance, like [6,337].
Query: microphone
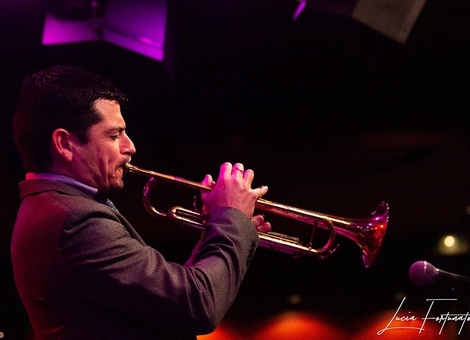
[423,273]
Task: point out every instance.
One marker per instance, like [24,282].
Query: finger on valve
[260,223]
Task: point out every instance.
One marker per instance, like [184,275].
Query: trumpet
[367,233]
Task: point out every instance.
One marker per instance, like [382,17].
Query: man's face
[100,161]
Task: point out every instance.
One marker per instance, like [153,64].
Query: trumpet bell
[370,234]
[367,233]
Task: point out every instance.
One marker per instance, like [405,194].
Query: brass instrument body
[367,233]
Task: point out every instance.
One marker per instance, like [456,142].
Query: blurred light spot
[452,245]
[467,209]
[294,299]
[449,241]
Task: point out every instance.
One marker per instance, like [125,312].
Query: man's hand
[233,189]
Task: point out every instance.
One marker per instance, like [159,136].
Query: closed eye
[116,133]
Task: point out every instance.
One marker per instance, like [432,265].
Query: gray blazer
[83,272]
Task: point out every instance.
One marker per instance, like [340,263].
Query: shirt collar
[64,179]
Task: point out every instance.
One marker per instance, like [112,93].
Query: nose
[127,146]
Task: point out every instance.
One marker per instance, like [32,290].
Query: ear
[62,144]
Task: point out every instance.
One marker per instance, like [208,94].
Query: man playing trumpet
[81,269]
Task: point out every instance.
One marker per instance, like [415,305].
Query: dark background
[333,116]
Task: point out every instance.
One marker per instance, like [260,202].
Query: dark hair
[57,97]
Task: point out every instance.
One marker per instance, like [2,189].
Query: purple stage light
[139,26]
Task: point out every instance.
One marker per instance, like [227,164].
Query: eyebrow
[116,129]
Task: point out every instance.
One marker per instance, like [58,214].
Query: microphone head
[423,273]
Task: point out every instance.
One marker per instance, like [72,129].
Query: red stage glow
[221,333]
[299,326]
